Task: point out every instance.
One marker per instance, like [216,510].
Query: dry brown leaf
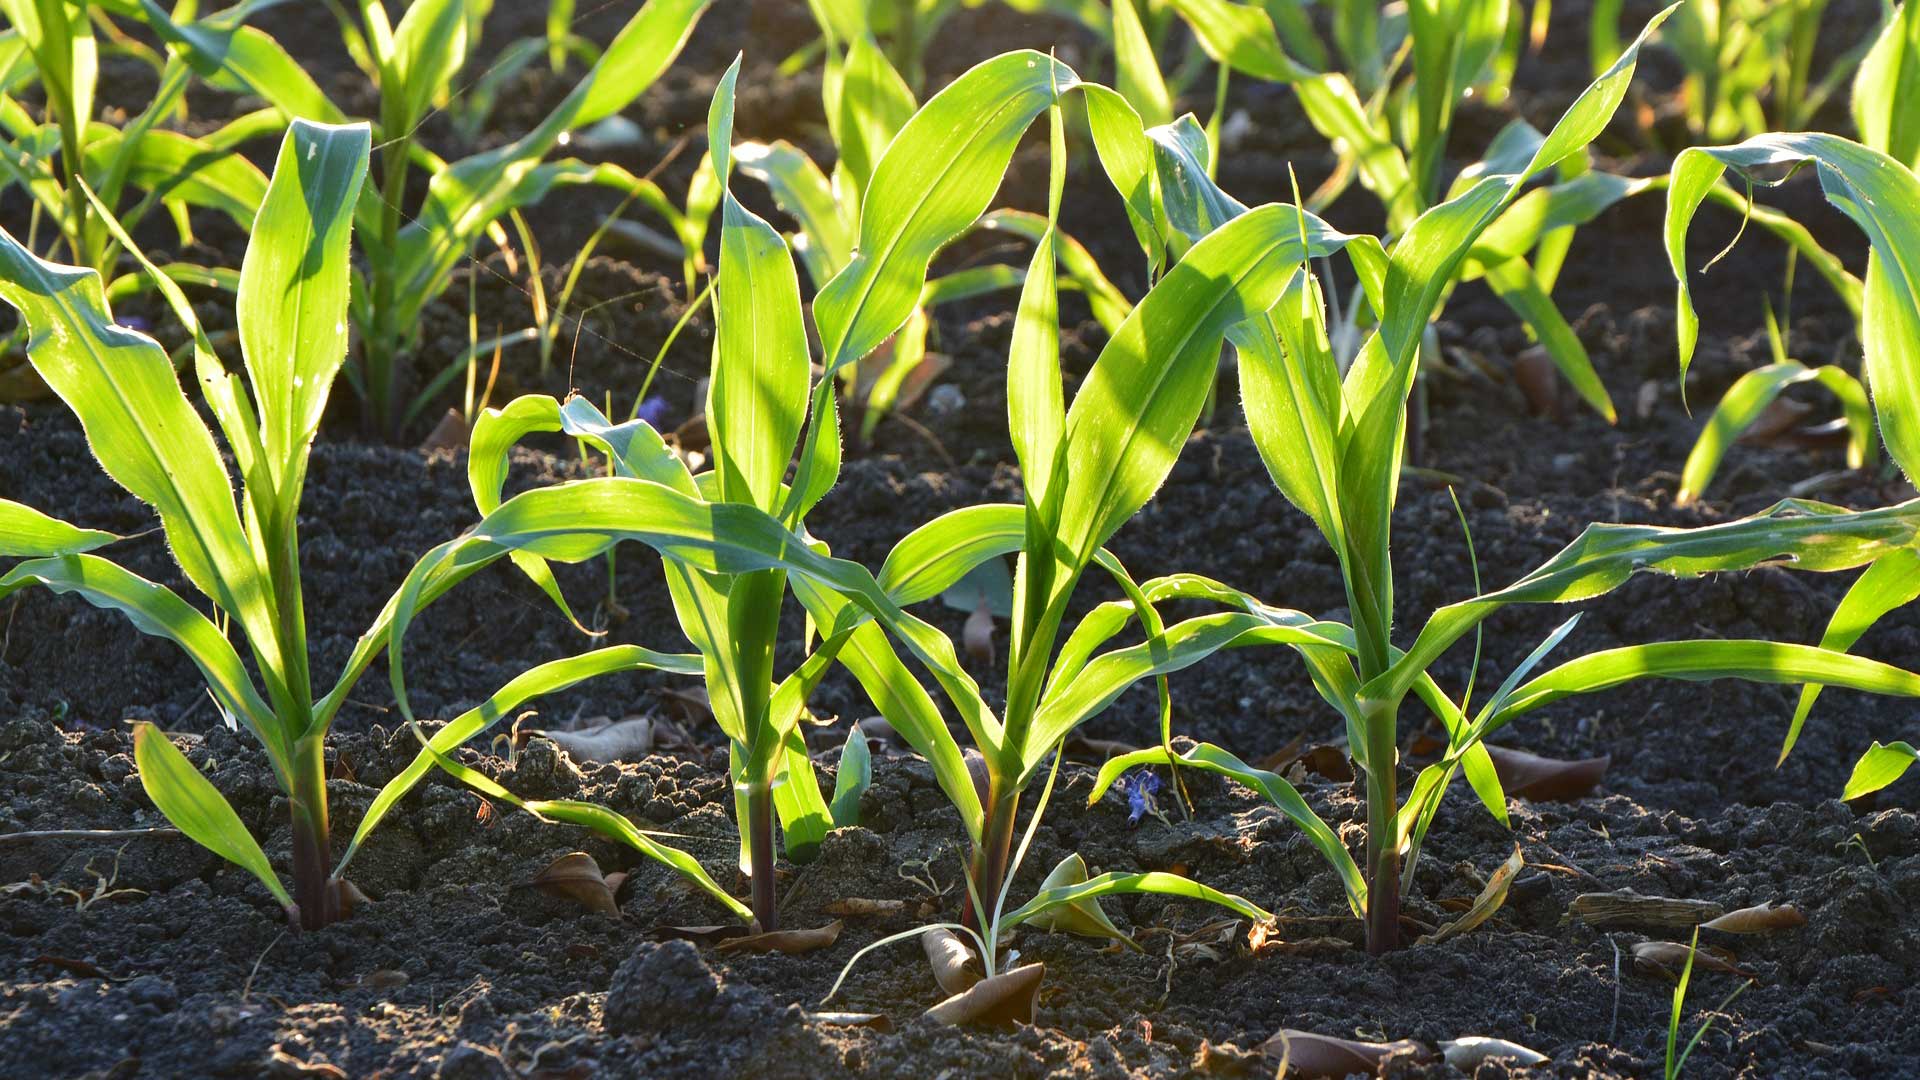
[1759,919]
[860,906]
[1670,958]
[977,635]
[629,739]
[790,942]
[876,1021]
[1083,746]
[1489,901]
[1309,1056]
[699,935]
[1545,779]
[1539,381]
[1466,1053]
[1007,999]
[1327,760]
[575,876]
[919,378]
[954,966]
[1631,909]
[450,434]
[384,979]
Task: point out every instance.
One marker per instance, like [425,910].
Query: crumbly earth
[150,957]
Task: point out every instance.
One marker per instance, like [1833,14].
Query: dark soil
[154,958]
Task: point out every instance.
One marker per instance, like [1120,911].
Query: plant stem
[313,889]
[766,907]
[383,343]
[1383,851]
[989,865]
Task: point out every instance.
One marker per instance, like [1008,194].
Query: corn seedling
[1333,446]
[1881,196]
[411,255]
[1674,1063]
[291,307]
[52,45]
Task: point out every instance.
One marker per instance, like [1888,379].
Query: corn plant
[413,252]
[866,102]
[291,307]
[1333,446]
[131,171]
[1748,63]
[1393,142]
[1882,196]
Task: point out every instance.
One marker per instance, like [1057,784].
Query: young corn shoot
[413,252]
[1333,447]
[291,307]
[1880,194]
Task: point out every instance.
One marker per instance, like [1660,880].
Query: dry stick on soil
[89,834]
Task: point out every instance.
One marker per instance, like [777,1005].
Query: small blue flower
[1141,786]
[654,411]
[134,322]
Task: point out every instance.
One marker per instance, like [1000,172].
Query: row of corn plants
[1328,401]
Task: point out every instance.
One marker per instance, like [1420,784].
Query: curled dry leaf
[1084,917]
[1539,381]
[1309,1056]
[1759,919]
[858,906]
[1544,779]
[1002,1001]
[978,634]
[699,935]
[622,740]
[1670,958]
[919,378]
[575,876]
[1605,909]
[1468,1052]
[876,1021]
[790,942]
[384,979]
[952,959]
[450,434]
[1491,897]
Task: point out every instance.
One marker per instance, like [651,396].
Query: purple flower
[1141,786]
[654,411]
[134,322]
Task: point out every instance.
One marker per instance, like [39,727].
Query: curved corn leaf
[548,678]
[1210,758]
[428,48]
[28,533]
[852,779]
[1891,582]
[1155,882]
[1881,765]
[237,58]
[1136,71]
[176,168]
[1748,398]
[804,193]
[1881,196]
[608,823]
[190,802]
[1806,535]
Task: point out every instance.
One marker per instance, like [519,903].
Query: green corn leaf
[1137,72]
[178,169]
[855,775]
[936,556]
[237,58]
[1807,535]
[1887,86]
[292,303]
[429,46]
[1453,40]
[1514,283]
[1274,787]
[1882,196]
[1139,403]
[156,610]
[1891,582]
[190,802]
[1755,661]
[1748,398]
[1077,264]
[870,104]
[1881,765]
[464,199]
[141,428]
[608,823]
[1155,882]
[1036,405]
[28,533]
[548,678]
[804,193]
[757,395]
